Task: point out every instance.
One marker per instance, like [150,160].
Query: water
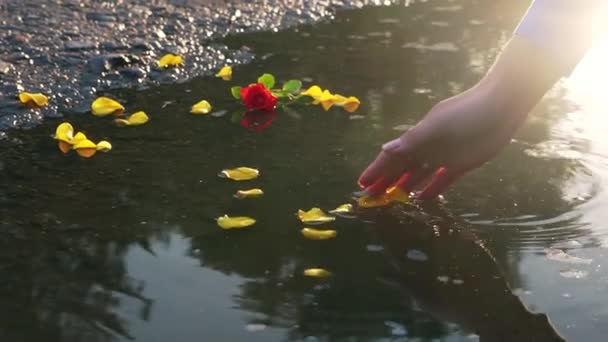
[124,245]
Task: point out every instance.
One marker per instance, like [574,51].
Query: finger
[384,164]
[411,179]
[380,186]
[441,181]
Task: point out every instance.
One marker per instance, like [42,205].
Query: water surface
[124,245]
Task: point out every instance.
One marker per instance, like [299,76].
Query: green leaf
[236,92]
[267,80]
[292,86]
[279,93]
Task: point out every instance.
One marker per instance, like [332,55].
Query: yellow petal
[103,106]
[351,104]
[317,273]
[121,122]
[86,148]
[170,60]
[314,215]
[343,209]
[339,100]
[225,73]
[316,234]
[314,92]
[395,194]
[373,201]
[202,107]
[327,100]
[78,138]
[392,195]
[227,222]
[64,147]
[240,173]
[104,146]
[249,193]
[136,119]
[64,132]
[37,99]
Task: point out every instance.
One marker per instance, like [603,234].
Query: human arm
[463,132]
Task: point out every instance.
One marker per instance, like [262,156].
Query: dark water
[124,245]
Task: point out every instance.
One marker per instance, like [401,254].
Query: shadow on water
[71,229]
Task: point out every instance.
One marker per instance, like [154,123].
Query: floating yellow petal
[64,132]
[86,148]
[64,147]
[225,73]
[327,100]
[317,273]
[351,104]
[314,215]
[317,234]
[136,119]
[103,106]
[240,173]
[170,60]
[343,209]
[78,138]
[249,193]
[226,222]
[392,195]
[37,99]
[104,146]
[202,107]
[314,92]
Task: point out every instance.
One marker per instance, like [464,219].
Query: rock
[103,17]
[5,67]
[76,45]
[133,72]
[112,61]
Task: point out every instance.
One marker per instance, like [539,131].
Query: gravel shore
[72,50]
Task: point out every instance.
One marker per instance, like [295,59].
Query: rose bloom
[257,97]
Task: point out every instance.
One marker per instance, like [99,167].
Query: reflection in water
[125,245]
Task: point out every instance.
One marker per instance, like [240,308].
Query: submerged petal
[225,73]
[317,273]
[392,195]
[314,215]
[317,234]
[103,106]
[36,99]
[170,60]
[104,146]
[249,193]
[226,222]
[240,173]
[343,209]
[64,132]
[202,107]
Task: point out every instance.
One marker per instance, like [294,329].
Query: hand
[463,132]
[456,136]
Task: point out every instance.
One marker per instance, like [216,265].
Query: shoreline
[79,49]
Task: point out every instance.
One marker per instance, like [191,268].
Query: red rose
[257,97]
[258,121]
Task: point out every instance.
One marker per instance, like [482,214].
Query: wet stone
[5,67]
[113,61]
[75,45]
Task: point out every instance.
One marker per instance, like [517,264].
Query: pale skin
[461,133]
